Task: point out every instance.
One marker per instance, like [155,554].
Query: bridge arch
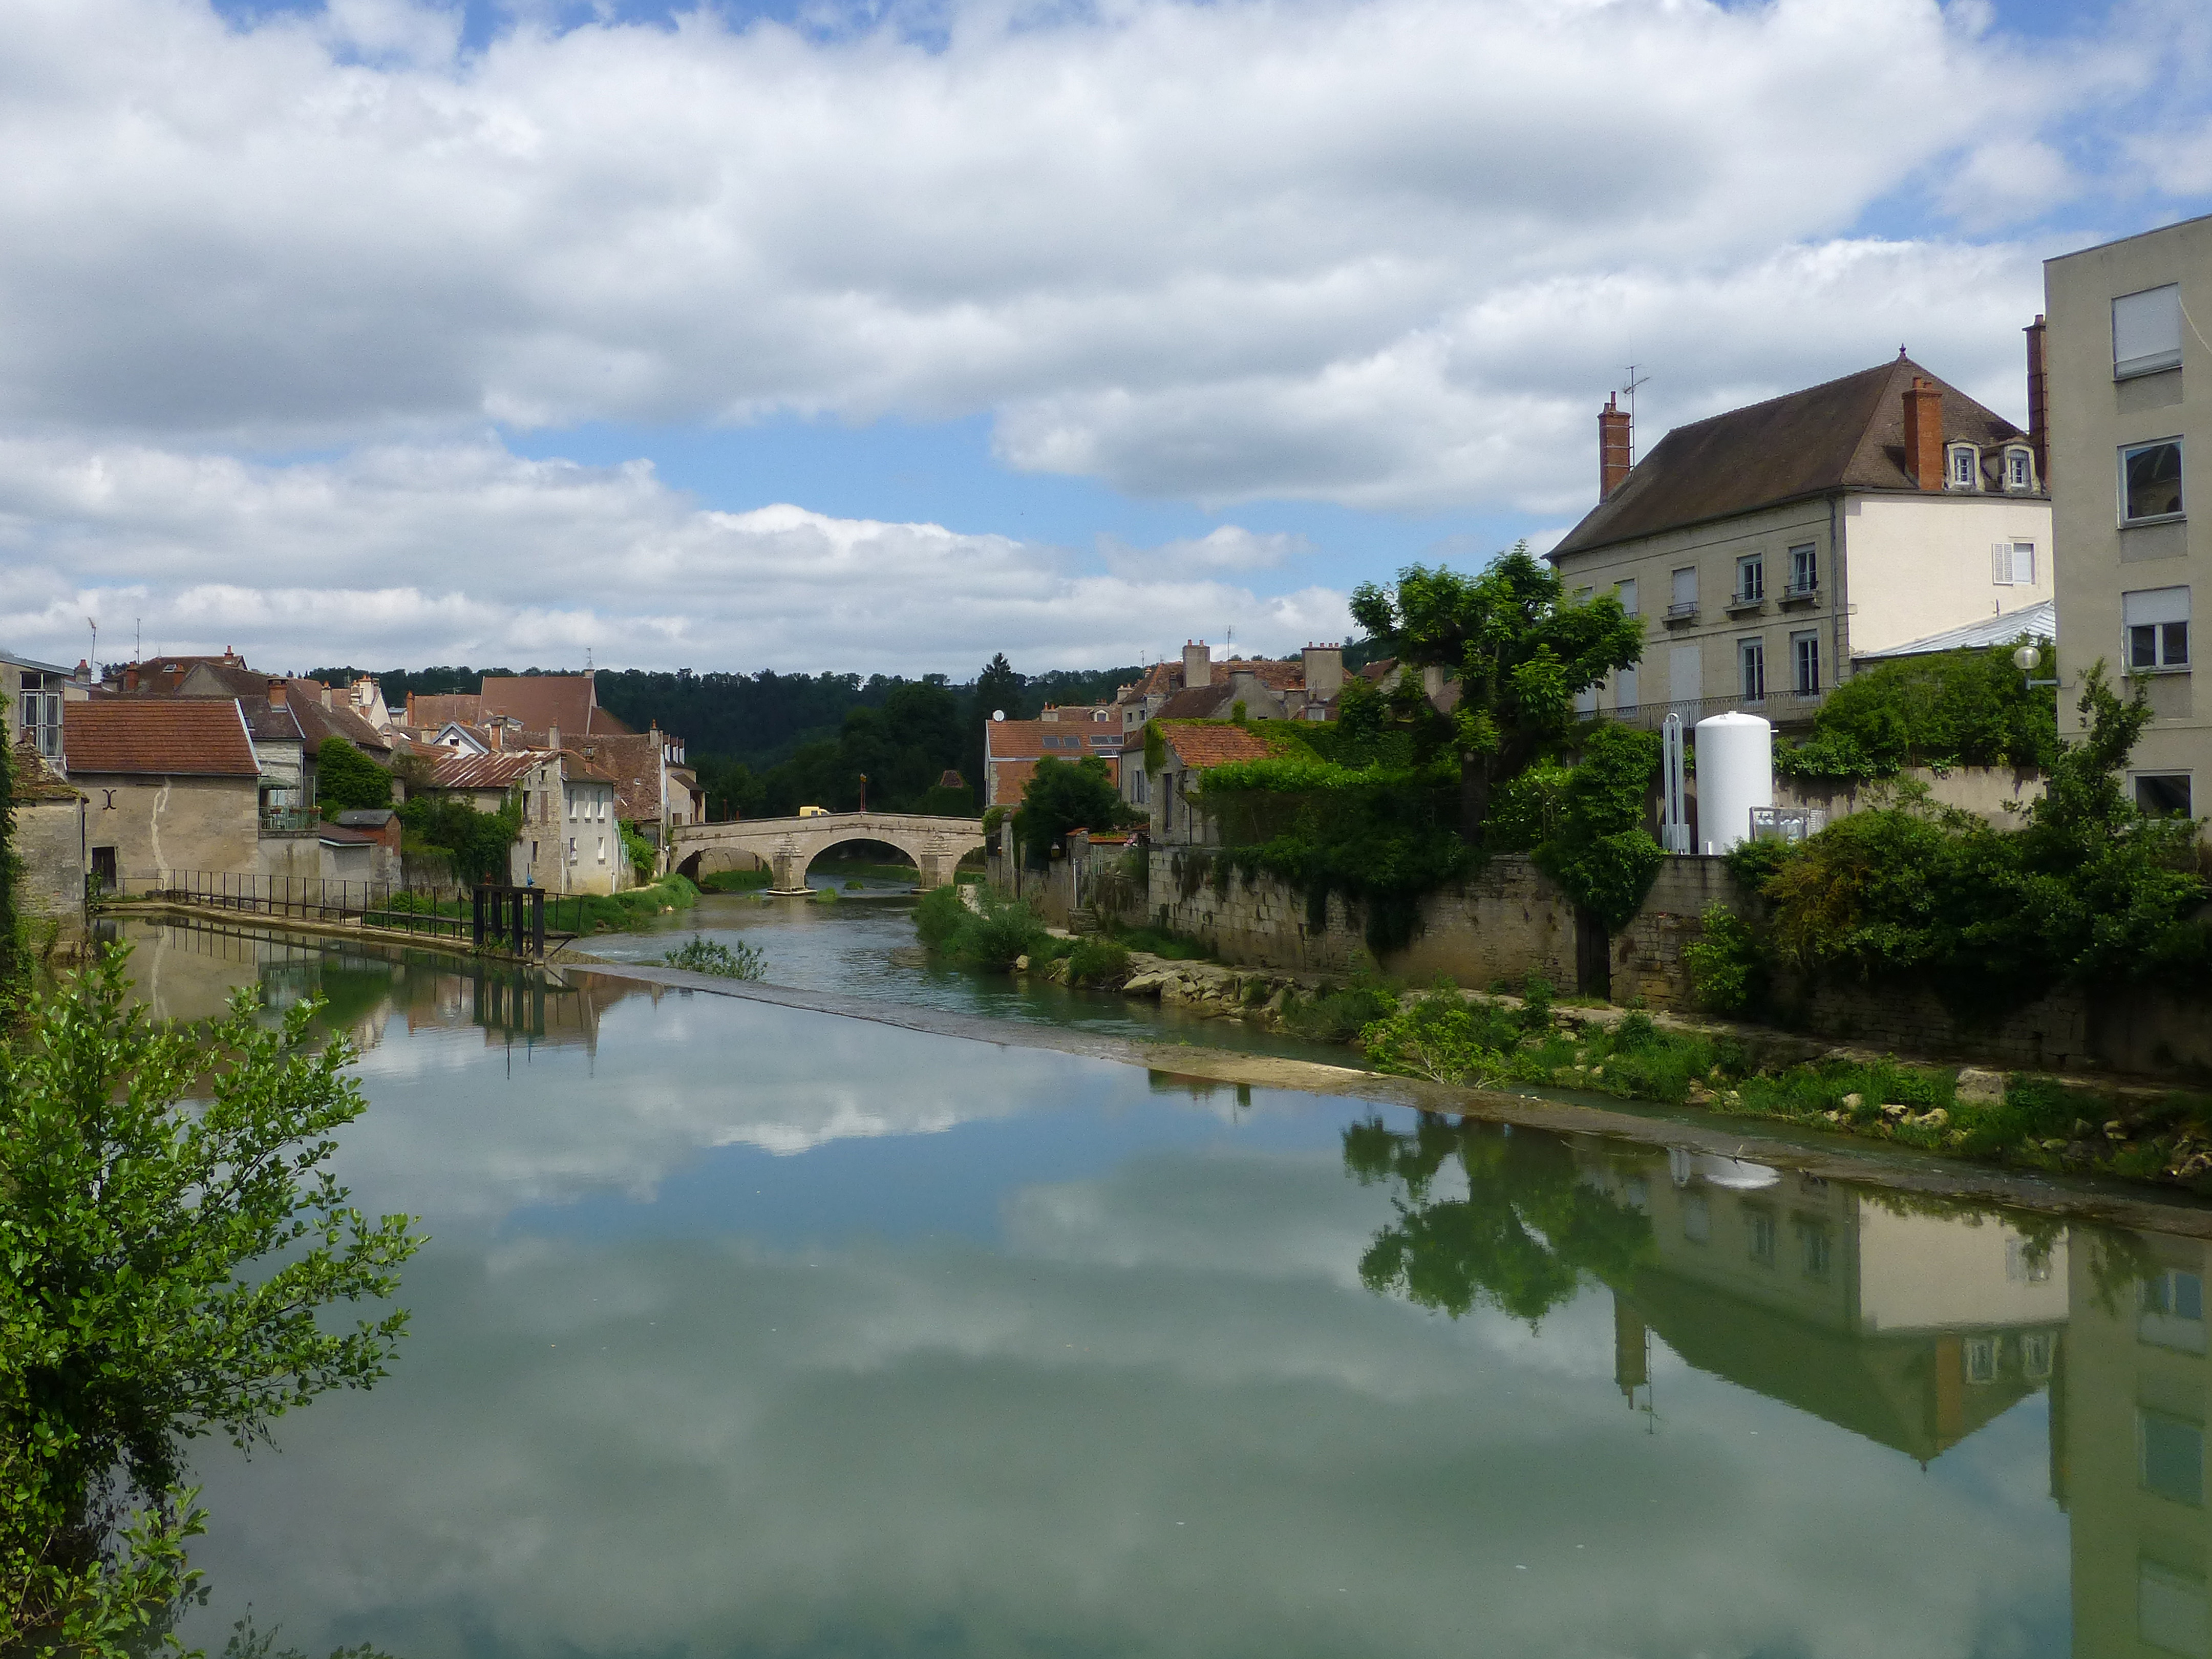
[789,846]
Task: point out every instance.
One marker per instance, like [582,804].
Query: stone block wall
[48,839]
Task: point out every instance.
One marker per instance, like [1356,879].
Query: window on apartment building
[1697,1219]
[2164,794]
[2155,621]
[2035,1356]
[572,849]
[1805,662]
[1586,703]
[1758,1225]
[1962,466]
[1980,1358]
[2019,469]
[2150,481]
[1813,1248]
[2172,1453]
[1684,602]
[1751,661]
[1624,693]
[1804,569]
[1751,579]
[1624,590]
[2012,563]
[2146,331]
[602,849]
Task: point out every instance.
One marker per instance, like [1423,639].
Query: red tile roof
[158,737]
[1201,746]
[541,702]
[498,770]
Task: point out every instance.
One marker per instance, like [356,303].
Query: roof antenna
[1901,354]
[1629,391]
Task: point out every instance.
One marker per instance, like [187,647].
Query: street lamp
[2027,660]
[864,792]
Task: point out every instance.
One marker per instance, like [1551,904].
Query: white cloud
[1386,253]
[466,553]
[1232,547]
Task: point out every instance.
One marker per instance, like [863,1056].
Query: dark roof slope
[161,737]
[541,702]
[1846,434]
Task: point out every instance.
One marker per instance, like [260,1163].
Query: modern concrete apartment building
[2130,448]
[1768,546]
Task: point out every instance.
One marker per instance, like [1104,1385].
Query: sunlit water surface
[750,1331]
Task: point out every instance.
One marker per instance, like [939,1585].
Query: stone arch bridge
[788,846]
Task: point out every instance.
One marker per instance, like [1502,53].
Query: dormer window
[1962,466]
[2019,469]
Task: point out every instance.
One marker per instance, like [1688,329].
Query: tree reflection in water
[1521,1239]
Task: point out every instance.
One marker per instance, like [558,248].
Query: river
[750,1330]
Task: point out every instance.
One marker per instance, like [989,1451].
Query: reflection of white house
[1909,1329]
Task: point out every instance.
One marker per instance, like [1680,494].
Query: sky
[884,335]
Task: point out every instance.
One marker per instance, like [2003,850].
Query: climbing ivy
[1952,708]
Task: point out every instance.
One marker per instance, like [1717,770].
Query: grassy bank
[2020,1120]
[606,913]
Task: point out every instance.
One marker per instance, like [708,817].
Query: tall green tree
[171,1243]
[11,963]
[346,779]
[1064,795]
[1520,651]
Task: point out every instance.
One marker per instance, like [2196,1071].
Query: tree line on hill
[766,744]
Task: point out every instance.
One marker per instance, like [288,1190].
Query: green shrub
[737,881]
[1441,1038]
[706,955]
[644,857]
[1003,932]
[1160,942]
[1339,1016]
[1723,962]
[1098,962]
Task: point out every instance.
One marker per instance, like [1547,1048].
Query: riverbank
[1898,1166]
[2137,1130]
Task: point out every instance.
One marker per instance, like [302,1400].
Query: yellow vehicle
[814,811]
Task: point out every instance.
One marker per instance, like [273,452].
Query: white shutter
[1686,674]
[2000,563]
[1685,584]
[2154,604]
[2146,331]
[2023,563]
[1624,689]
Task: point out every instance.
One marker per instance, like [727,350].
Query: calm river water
[750,1331]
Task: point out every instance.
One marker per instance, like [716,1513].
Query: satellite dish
[998,713]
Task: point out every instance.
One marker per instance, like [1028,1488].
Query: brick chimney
[325,690]
[553,738]
[130,677]
[277,692]
[498,730]
[1615,442]
[1924,433]
[1324,670]
[2039,402]
[1197,664]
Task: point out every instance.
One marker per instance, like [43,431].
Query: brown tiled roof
[339,835]
[633,759]
[340,719]
[1202,703]
[1846,434]
[1198,746]
[1031,738]
[541,702]
[428,714]
[35,779]
[497,770]
[158,736]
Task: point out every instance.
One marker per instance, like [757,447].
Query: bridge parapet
[789,845]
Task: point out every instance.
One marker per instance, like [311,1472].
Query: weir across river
[788,846]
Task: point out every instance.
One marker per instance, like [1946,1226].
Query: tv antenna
[92,623]
[1629,391]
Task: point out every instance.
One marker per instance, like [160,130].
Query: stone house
[1011,750]
[571,839]
[49,844]
[1767,548]
[1186,750]
[1196,687]
[171,784]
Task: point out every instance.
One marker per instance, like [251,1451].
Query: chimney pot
[1616,441]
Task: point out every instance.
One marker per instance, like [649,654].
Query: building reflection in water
[364,987]
[1912,1322]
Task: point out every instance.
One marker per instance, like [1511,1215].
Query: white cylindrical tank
[1735,773]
